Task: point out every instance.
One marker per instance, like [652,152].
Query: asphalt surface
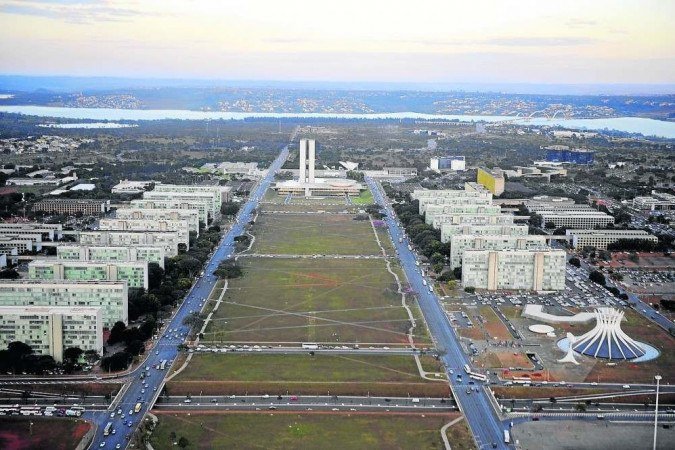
[479,412]
[166,347]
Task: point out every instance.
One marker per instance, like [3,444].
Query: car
[130,424]
[157,352]
[187,400]
[114,431]
[112,415]
[118,446]
[102,444]
[142,391]
[154,389]
[131,411]
[271,407]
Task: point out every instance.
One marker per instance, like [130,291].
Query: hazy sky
[542,41]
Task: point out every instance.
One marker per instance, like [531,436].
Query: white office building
[169,240]
[531,270]
[50,330]
[459,198]
[48,232]
[473,219]
[180,189]
[600,239]
[189,215]
[110,296]
[74,252]
[201,206]
[179,226]
[433,211]
[210,198]
[444,163]
[135,273]
[448,230]
[585,220]
[461,243]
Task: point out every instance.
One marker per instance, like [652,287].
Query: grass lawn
[47,433]
[460,436]
[301,431]
[311,300]
[395,375]
[312,234]
[365,198]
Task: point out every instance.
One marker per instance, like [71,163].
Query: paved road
[166,346]
[480,414]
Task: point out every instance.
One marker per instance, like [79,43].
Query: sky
[567,42]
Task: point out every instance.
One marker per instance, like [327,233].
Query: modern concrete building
[494,218]
[461,243]
[189,215]
[558,153]
[492,180]
[50,330]
[76,252]
[307,153]
[532,270]
[433,211]
[216,191]
[110,296]
[658,201]
[308,185]
[448,230]
[576,219]
[607,339]
[239,168]
[179,226]
[73,206]
[131,187]
[450,197]
[212,200]
[442,163]
[600,239]
[169,240]
[201,206]
[47,231]
[135,273]
[3,260]
[19,245]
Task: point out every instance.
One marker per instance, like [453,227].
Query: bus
[162,365]
[107,429]
[310,346]
[507,437]
[478,376]
[467,369]
[137,408]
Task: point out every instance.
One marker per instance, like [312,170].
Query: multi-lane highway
[474,403]
[144,391]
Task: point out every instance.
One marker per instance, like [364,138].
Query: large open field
[312,234]
[303,374]
[311,300]
[302,431]
[16,433]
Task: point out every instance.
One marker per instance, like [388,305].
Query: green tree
[597,277]
[183,442]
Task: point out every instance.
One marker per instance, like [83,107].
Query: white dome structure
[606,339]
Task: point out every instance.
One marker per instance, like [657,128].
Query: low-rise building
[73,206]
[47,231]
[75,252]
[531,270]
[131,187]
[13,246]
[135,273]
[658,201]
[50,330]
[239,168]
[110,296]
[443,163]
[576,219]
[169,240]
[600,239]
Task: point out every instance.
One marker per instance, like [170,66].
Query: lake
[647,127]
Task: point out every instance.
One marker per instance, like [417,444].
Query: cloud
[540,41]
[74,11]
[580,23]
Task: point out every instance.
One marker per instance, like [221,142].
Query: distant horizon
[68,83]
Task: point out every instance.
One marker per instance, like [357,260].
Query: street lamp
[656,409]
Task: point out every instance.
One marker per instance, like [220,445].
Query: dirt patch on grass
[17,433]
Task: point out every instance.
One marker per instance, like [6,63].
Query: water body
[647,127]
[88,125]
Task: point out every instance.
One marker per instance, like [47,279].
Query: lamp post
[656,409]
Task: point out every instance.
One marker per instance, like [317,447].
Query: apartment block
[600,239]
[169,240]
[531,270]
[135,273]
[110,254]
[51,330]
[189,215]
[110,296]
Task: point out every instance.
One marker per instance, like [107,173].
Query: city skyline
[530,42]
